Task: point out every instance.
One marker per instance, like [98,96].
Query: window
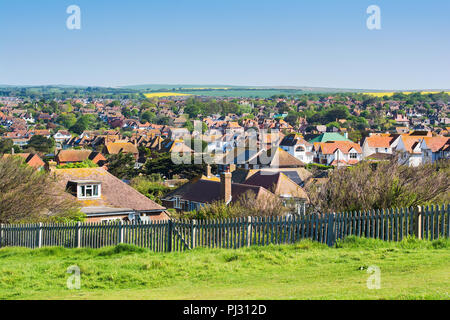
[353,155]
[87,191]
[177,203]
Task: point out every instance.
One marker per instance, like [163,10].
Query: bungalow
[201,191]
[77,156]
[121,147]
[103,197]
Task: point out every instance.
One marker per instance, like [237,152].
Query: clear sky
[236,42]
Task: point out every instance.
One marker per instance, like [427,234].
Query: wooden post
[121,231]
[331,236]
[78,232]
[169,235]
[1,235]
[193,233]
[40,235]
[418,225]
[249,231]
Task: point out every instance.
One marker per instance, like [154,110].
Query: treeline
[56,92]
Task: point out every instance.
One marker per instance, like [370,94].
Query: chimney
[208,171]
[52,166]
[225,186]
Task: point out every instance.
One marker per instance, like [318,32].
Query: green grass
[410,269]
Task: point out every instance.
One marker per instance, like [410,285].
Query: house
[103,197]
[379,143]
[434,148]
[202,191]
[251,158]
[336,153]
[178,133]
[61,137]
[298,147]
[409,150]
[33,160]
[76,156]
[402,120]
[121,147]
[175,146]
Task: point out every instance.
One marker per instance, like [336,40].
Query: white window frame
[91,187]
[177,202]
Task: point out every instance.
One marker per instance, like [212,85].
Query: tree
[67,120]
[83,123]
[148,116]
[6,145]
[41,144]
[122,165]
[27,195]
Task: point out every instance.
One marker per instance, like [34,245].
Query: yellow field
[165,94]
[390,94]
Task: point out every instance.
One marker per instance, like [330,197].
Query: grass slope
[410,269]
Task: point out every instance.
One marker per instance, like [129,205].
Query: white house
[298,147]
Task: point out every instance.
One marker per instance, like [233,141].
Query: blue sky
[236,42]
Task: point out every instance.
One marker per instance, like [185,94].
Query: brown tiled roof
[207,191]
[115,193]
[280,158]
[124,147]
[277,183]
[78,156]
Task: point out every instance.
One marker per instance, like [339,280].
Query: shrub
[382,185]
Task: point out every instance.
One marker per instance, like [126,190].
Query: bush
[380,186]
[85,164]
[151,187]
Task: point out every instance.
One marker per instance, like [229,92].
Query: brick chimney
[225,186]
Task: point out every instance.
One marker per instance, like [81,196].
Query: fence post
[40,235]
[249,231]
[1,235]
[331,236]
[418,225]
[121,231]
[78,232]
[169,236]
[193,233]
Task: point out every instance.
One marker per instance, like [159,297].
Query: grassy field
[410,269]
[390,94]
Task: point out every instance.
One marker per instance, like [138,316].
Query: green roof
[329,136]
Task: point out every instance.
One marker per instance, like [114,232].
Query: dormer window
[87,189]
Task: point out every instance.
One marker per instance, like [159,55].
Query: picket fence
[179,235]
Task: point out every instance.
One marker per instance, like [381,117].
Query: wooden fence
[175,235]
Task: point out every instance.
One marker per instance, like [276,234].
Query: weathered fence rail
[179,235]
